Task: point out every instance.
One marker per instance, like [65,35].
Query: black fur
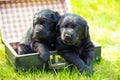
[74,43]
[41,37]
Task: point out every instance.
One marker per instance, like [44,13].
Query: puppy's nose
[68,36]
[38,32]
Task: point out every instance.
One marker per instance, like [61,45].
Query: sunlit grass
[103,17]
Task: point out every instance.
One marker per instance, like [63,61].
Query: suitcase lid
[17,15]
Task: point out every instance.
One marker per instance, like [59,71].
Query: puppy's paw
[23,49]
[88,70]
[45,57]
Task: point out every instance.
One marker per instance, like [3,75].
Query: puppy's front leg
[43,50]
[88,56]
[73,58]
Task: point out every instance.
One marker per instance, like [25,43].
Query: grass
[103,18]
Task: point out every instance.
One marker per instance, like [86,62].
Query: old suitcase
[16,16]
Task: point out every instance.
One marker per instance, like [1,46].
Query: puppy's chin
[72,43]
[36,36]
[44,35]
[68,42]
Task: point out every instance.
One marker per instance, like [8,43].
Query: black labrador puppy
[41,37]
[74,43]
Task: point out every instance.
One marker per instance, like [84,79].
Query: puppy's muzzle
[38,32]
[67,37]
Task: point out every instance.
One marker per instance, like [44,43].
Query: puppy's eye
[41,22]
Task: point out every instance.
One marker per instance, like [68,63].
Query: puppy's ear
[35,19]
[58,24]
[86,31]
[55,16]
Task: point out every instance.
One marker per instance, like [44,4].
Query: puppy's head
[73,29]
[44,23]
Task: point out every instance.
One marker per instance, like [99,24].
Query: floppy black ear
[86,31]
[58,24]
[35,19]
[55,16]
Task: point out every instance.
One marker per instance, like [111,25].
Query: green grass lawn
[103,17]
